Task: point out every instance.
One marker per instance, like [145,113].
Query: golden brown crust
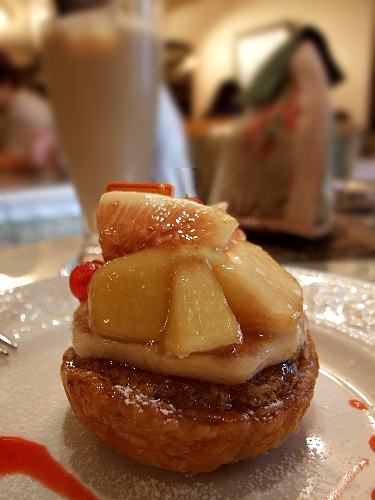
[143,415]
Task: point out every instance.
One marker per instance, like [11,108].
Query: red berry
[80,277]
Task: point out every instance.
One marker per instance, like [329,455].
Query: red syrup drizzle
[23,456]
[372,443]
[362,406]
[358,404]
[372,446]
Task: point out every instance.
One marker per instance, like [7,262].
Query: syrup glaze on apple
[229,365]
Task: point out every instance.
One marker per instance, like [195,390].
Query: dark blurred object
[226,100]
[32,76]
[178,73]
[352,236]
[368,147]
[175,52]
[67,6]
[354,196]
[29,75]
[8,72]
[369,138]
[372,99]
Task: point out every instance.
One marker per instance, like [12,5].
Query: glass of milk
[103,73]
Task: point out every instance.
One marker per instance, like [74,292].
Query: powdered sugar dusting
[274,404]
[133,397]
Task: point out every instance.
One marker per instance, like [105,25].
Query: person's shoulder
[29,106]
[26,98]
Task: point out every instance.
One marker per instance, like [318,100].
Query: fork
[8,342]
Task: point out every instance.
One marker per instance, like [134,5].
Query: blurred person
[226,100]
[26,132]
[276,170]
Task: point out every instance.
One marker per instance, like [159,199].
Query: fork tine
[7,341]
[4,352]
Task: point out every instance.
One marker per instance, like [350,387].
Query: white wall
[20,30]
[212,25]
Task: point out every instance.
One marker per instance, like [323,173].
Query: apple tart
[190,348]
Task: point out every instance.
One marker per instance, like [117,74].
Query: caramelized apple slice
[129,296]
[199,317]
[261,294]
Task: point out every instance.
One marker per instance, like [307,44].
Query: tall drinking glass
[103,70]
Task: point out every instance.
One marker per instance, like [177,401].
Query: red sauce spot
[372,443]
[358,404]
[373,495]
[20,455]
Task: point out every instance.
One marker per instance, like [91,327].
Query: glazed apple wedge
[129,296]
[199,317]
[261,294]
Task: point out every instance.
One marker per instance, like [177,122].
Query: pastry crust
[185,425]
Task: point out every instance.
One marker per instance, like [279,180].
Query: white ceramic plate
[334,437]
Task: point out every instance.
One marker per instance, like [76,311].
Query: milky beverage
[102,71]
